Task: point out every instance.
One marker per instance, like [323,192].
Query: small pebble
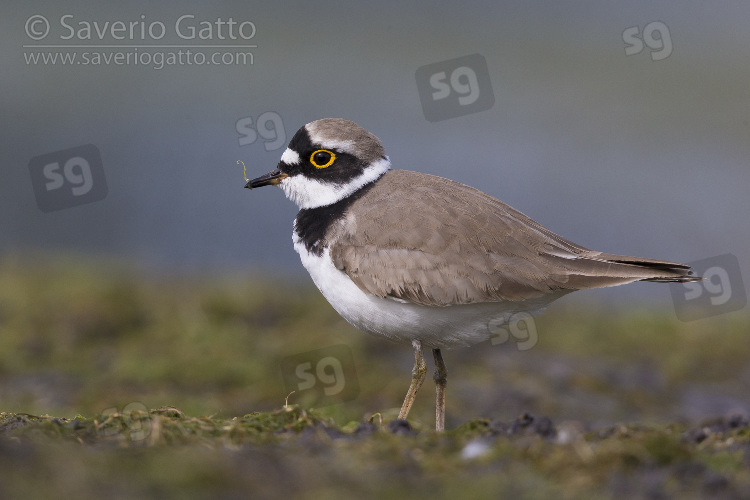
[475,449]
[401,427]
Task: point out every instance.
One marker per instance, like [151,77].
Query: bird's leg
[441,380]
[417,377]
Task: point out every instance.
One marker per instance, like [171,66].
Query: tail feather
[664,271]
[595,270]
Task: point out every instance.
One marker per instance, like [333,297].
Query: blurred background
[135,267]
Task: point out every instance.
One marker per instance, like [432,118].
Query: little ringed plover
[422,259]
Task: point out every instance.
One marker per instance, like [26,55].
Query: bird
[422,259]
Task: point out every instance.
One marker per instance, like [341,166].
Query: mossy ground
[117,384]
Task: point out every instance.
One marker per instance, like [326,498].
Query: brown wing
[480,249]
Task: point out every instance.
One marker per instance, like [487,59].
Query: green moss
[113,383]
[305,446]
[666,449]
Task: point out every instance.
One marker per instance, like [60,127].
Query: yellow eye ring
[323,160]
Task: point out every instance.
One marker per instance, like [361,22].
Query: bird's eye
[322,158]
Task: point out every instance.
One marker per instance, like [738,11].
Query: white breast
[435,327]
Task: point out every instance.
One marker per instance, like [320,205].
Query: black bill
[270,179]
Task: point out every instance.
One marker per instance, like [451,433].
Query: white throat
[311,193]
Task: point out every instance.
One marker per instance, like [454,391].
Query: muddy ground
[114,383]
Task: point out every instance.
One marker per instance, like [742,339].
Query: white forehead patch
[343,146]
[290,157]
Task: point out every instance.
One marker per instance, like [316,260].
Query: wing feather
[453,244]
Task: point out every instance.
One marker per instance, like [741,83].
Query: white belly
[434,327]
